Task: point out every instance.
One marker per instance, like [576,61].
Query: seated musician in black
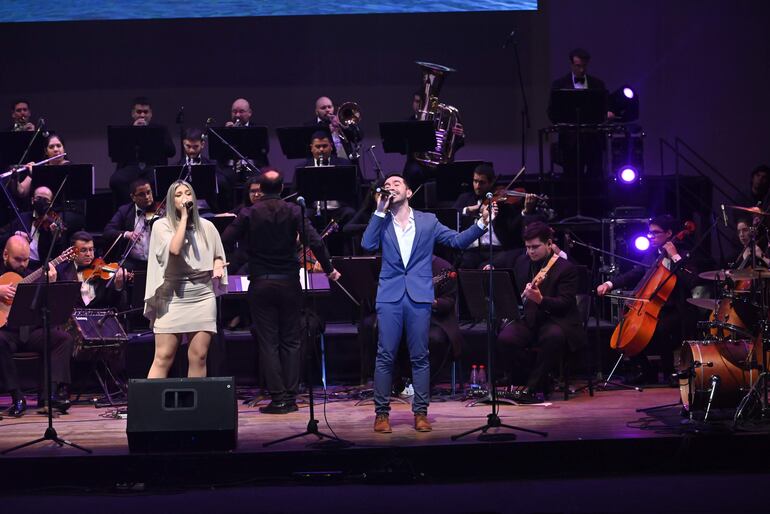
[677,319]
[131,223]
[193,144]
[93,291]
[16,260]
[506,227]
[551,320]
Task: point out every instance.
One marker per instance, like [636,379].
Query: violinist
[131,223]
[42,223]
[677,319]
[507,227]
[92,273]
[547,284]
[744,229]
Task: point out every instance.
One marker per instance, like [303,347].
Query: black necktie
[580,80]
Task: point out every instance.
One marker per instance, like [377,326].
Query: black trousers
[514,344]
[275,311]
[61,353]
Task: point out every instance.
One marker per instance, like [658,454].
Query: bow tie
[579,80]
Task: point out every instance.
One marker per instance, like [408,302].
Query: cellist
[677,319]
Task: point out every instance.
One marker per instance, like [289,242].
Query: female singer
[185,271]
[53,146]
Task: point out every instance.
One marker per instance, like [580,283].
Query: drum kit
[726,369]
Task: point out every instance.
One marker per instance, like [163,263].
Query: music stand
[251,142]
[14,144]
[203,177]
[475,287]
[80,183]
[295,141]
[454,178]
[580,106]
[407,137]
[55,302]
[325,183]
[127,143]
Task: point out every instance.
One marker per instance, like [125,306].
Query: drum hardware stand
[40,303]
[493,418]
[312,424]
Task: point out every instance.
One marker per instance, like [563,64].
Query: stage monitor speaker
[182,414]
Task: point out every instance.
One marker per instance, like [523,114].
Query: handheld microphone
[385,193]
[301,201]
[372,147]
[489,195]
[188,204]
[509,39]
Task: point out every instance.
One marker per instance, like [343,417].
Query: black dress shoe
[279,408]
[17,408]
[59,406]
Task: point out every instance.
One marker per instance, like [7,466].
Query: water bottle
[474,378]
[482,377]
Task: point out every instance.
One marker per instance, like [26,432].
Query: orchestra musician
[185,272]
[20,116]
[240,116]
[42,223]
[405,293]
[126,172]
[54,145]
[548,284]
[16,256]
[92,273]
[744,229]
[505,234]
[342,137]
[193,144]
[677,319]
[271,226]
[131,222]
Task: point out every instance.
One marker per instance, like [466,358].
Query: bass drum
[730,360]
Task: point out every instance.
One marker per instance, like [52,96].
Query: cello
[635,330]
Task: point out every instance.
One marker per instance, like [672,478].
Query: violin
[50,218]
[156,210]
[516,196]
[100,269]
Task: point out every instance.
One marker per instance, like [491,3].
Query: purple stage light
[627,175]
[642,243]
[628,92]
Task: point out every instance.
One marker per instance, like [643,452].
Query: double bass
[635,330]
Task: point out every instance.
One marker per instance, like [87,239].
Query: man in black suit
[551,319]
[16,259]
[345,139]
[507,226]
[131,223]
[271,227]
[20,116]
[590,143]
[127,172]
[193,144]
[41,234]
[677,320]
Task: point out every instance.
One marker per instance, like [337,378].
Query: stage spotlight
[627,175]
[624,103]
[642,243]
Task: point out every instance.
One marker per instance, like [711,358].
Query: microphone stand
[13,205]
[493,418]
[29,145]
[40,300]
[525,121]
[377,167]
[251,166]
[312,424]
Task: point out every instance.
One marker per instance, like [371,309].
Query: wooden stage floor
[598,435]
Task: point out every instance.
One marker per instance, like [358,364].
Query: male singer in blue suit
[405,292]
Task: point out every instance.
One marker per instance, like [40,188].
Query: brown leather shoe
[382,424]
[421,423]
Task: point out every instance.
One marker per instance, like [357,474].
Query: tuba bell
[444,117]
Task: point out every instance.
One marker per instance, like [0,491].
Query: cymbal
[709,304]
[735,274]
[752,210]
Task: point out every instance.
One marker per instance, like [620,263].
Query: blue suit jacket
[416,279]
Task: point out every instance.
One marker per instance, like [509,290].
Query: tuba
[444,117]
